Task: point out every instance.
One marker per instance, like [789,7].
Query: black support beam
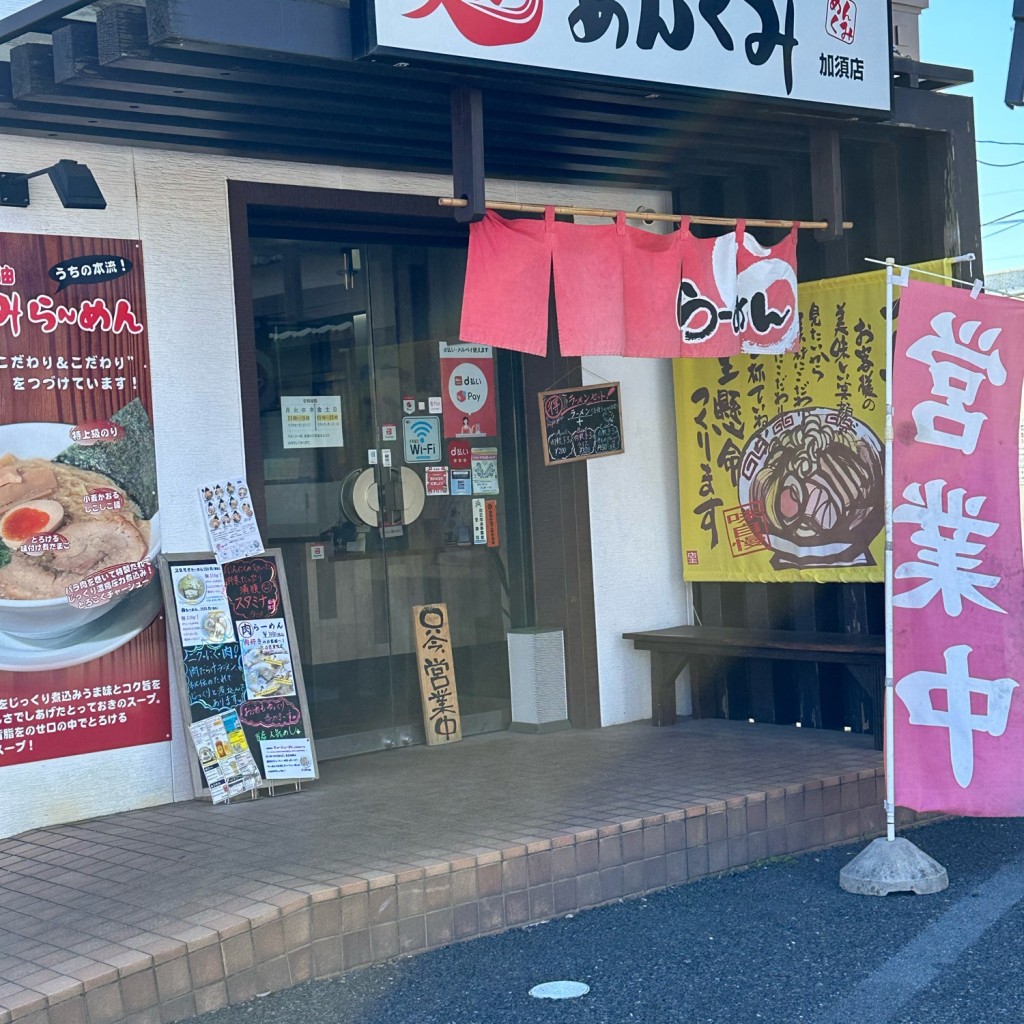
[285,30]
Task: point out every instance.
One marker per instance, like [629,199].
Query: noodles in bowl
[60,526]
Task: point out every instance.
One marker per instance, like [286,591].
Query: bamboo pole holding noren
[644,215]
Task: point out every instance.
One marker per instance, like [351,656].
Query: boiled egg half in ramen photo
[67,513]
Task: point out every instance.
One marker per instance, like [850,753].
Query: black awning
[280,83]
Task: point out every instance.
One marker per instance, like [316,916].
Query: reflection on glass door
[369,487]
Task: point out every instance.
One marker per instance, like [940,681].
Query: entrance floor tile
[165,912]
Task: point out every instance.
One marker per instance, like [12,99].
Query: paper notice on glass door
[311,421]
[436,480]
[484,462]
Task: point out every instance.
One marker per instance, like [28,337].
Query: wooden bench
[672,650]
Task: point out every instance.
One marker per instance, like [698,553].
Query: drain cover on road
[559,990]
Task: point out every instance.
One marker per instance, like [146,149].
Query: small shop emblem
[841,20]
[489,22]
[408,404]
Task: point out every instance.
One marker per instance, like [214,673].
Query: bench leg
[665,669]
[708,686]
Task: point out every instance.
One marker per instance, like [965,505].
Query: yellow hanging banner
[781,458]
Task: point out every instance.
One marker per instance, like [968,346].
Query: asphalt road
[778,942]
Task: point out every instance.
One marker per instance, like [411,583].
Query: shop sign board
[823,53]
[83,657]
[442,722]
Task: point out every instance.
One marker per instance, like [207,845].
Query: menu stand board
[581,423]
[233,642]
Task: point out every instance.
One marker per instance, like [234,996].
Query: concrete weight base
[886,866]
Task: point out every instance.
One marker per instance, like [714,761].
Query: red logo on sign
[841,20]
[459,455]
[488,22]
[746,526]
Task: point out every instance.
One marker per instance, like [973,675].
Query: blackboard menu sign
[581,423]
[238,667]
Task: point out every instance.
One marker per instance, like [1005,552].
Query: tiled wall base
[334,929]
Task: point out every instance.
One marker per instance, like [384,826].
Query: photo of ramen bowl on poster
[79,532]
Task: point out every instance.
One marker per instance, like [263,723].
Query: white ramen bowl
[55,616]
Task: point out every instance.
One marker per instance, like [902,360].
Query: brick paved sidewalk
[155,915]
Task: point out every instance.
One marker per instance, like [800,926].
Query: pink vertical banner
[958,581]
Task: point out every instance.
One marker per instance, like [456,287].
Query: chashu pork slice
[24,482]
[96,543]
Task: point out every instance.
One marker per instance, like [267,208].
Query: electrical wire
[996,220]
[998,142]
[1003,230]
[988,163]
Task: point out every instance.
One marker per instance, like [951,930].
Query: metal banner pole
[889,864]
[890,759]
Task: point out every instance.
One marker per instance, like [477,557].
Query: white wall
[634,529]
[176,204]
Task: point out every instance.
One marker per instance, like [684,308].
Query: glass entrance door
[376,502]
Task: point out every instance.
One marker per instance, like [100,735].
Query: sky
[976,34]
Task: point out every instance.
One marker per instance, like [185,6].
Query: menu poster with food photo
[83,659]
[266,659]
[233,648]
[781,458]
[202,605]
[230,520]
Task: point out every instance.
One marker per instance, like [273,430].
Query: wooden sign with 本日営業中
[441,720]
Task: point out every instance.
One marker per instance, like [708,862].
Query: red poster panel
[83,661]
[467,390]
[958,590]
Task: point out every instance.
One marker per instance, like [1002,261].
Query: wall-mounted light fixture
[73,182]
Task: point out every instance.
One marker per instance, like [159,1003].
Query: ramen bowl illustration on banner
[811,483]
[79,526]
